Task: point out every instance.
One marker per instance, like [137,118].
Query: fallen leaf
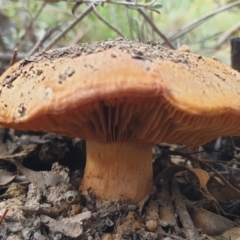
[202,176]
[13,191]
[211,223]
[221,189]
[20,155]
[42,179]
[70,230]
[6,177]
[169,172]
[233,234]
[192,175]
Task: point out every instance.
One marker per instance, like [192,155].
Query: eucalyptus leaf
[154,10]
[157,6]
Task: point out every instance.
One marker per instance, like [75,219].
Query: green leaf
[154,10]
[157,6]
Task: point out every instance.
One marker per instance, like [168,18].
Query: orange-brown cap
[122,91]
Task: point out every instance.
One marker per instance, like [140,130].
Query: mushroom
[122,97]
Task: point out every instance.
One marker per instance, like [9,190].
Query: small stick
[39,44]
[107,23]
[14,57]
[31,24]
[166,211]
[154,27]
[72,25]
[3,216]
[127,3]
[182,212]
[190,26]
[235,53]
[226,35]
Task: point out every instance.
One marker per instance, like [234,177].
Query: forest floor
[195,193]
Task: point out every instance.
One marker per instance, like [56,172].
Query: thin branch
[7,56]
[31,24]
[153,33]
[41,41]
[2,44]
[72,25]
[154,27]
[182,212]
[3,216]
[130,22]
[14,57]
[108,24]
[127,4]
[233,143]
[226,35]
[79,35]
[185,29]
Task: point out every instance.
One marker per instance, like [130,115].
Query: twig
[234,160]
[127,3]
[138,28]
[14,57]
[153,33]
[79,35]
[234,146]
[7,56]
[2,44]
[72,25]
[187,155]
[108,24]
[182,212]
[39,43]
[226,35]
[3,216]
[166,211]
[185,29]
[31,24]
[154,27]
[130,23]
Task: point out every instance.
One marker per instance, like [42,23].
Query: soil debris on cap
[68,73]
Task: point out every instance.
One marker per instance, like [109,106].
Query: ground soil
[46,206]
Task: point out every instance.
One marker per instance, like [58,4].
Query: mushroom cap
[117,91]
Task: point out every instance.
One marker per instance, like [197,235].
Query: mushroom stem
[118,171]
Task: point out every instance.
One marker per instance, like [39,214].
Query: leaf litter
[190,199]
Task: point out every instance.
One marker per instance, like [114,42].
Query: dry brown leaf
[203,176]
[42,179]
[221,189]
[211,223]
[73,230]
[40,210]
[20,155]
[233,234]
[196,175]
[75,7]
[170,171]
[13,191]
[6,177]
